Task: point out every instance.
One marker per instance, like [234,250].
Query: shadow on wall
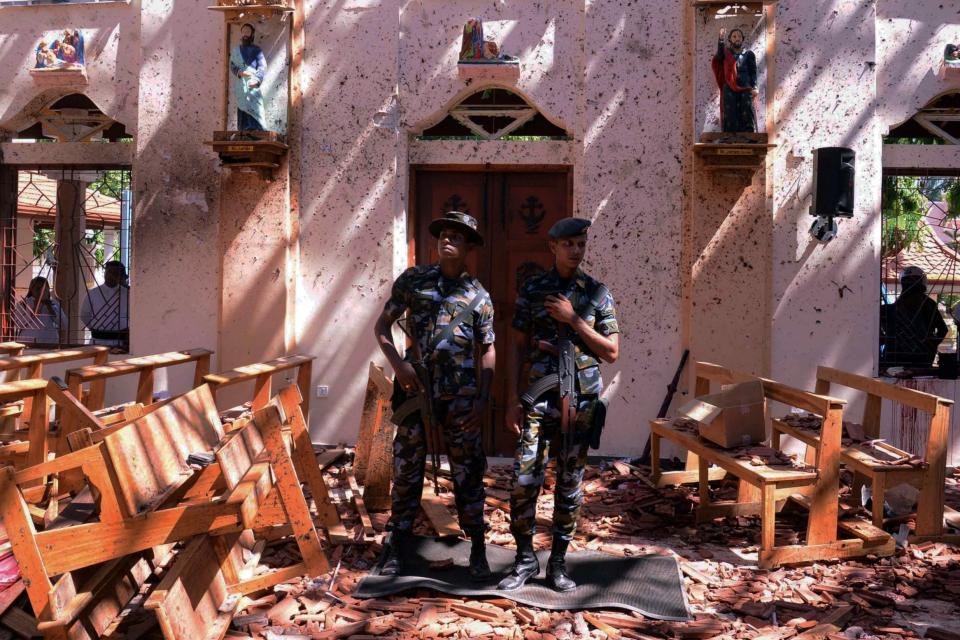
[110,43]
[909,67]
[175,295]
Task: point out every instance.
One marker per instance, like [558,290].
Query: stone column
[70,284]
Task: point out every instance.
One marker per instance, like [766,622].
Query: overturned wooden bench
[296,403]
[261,374]
[763,486]
[93,377]
[879,463]
[149,496]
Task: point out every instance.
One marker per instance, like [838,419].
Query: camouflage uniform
[433,301]
[542,421]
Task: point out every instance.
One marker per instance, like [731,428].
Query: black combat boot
[391,560]
[524,567]
[557,577]
[479,569]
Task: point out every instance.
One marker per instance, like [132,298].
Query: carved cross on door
[532,213]
[455,203]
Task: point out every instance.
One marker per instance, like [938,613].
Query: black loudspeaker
[833,174]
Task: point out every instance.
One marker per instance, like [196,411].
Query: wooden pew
[31,366]
[149,496]
[707,376]
[297,407]
[261,373]
[880,466]
[38,443]
[815,486]
[144,367]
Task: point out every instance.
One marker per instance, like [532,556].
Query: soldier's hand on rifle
[560,309]
[514,418]
[407,377]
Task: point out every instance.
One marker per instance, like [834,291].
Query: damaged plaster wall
[112,53]
[911,36]
[176,277]
[632,172]
[825,296]
[352,196]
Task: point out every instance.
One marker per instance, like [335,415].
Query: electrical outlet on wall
[323,391]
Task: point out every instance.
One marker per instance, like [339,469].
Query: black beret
[568,227]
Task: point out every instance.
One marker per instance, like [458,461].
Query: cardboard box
[732,418]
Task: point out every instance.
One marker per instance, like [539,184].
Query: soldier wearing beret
[561,301]
[452,318]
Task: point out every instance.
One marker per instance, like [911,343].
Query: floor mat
[650,585]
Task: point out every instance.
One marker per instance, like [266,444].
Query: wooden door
[514,210]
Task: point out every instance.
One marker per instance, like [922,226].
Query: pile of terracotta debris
[914,594]
[176,518]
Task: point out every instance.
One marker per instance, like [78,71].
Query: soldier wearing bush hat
[450,318]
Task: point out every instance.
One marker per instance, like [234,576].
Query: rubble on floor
[914,594]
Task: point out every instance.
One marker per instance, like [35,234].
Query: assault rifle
[422,403]
[565,380]
[665,406]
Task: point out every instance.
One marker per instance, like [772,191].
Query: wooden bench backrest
[937,408]
[819,404]
[149,456]
[261,373]
[145,366]
[239,452]
[53,357]
[12,348]
[926,402]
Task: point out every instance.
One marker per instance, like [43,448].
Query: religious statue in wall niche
[735,69]
[249,66]
[60,50]
[474,48]
[951,55]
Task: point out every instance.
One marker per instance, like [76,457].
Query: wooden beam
[351,482]
[437,512]
[287,483]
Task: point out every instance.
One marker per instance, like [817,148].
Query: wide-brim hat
[457,220]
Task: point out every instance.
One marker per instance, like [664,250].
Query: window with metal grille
[920,273]
[66,254]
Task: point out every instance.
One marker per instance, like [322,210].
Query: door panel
[514,211]
[439,192]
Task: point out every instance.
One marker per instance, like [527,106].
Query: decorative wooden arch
[939,118]
[516,110]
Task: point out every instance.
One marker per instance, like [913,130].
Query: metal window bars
[69,224]
[920,279]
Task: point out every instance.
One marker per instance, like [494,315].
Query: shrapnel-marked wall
[725,266]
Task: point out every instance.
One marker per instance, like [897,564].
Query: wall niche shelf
[741,152]
[258,151]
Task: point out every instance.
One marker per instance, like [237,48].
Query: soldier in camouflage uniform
[433,296]
[562,299]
